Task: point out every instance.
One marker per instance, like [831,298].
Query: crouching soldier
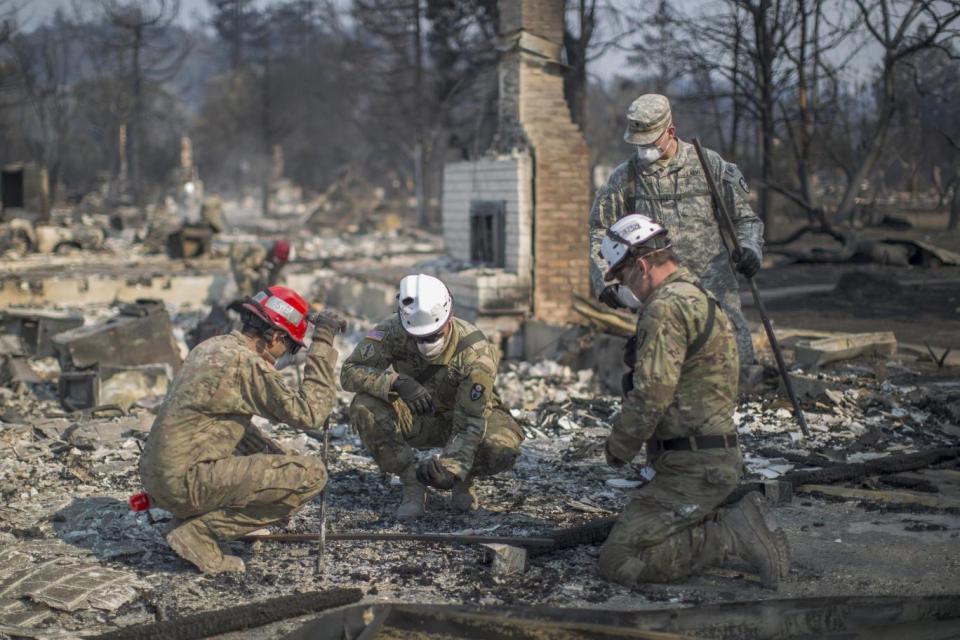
[439,393]
[684,387]
[188,466]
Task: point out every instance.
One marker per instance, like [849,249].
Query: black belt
[695,443]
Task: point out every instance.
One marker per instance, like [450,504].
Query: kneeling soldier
[680,402]
[439,394]
[188,466]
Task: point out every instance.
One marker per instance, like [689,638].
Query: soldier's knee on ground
[620,563]
[630,566]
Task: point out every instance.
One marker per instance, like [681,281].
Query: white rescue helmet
[424,305]
[631,232]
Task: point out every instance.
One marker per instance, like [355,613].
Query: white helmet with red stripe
[424,304]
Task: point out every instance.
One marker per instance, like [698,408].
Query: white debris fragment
[623,483]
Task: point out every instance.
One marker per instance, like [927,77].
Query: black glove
[432,473]
[326,324]
[630,352]
[415,395]
[609,297]
[626,382]
[612,460]
[746,261]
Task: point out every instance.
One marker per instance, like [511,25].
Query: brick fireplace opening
[518,216]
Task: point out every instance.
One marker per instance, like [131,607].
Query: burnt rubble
[85,366]
[68,475]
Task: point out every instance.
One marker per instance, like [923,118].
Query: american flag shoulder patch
[374,334]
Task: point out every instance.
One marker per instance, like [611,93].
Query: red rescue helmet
[281,250]
[283,308]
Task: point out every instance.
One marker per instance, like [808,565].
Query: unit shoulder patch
[367,350]
[476,391]
[730,172]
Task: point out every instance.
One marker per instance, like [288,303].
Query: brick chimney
[534,117]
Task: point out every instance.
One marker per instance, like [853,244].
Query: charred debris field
[870,501]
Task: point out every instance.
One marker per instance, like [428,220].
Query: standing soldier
[664,181]
[254,270]
[188,466]
[439,393]
[679,402]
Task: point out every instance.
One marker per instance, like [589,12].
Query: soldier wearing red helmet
[188,465]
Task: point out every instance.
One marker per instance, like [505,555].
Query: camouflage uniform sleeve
[608,207]
[749,227]
[471,409]
[366,370]
[662,336]
[263,388]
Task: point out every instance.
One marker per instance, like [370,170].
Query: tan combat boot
[747,537]
[195,543]
[413,503]
[464,496]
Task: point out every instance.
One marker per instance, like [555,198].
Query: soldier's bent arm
[367,368]
[662,338]
[268,394]
[471,410]
[608,207]
[749,227]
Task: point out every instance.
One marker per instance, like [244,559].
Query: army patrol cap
[647,118]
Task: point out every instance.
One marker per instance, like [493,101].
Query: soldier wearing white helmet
[424,378]
[678,402]
[664,181]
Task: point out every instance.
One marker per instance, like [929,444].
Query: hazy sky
[38,10]
[193,11]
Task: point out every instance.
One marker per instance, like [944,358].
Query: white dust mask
[432,349]
[285,361]
[648,154]
[627,298]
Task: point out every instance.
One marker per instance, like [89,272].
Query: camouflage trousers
[663,533]
[391,433]
[240,494]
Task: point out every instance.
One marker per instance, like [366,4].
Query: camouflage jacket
[462,389]
[675,194]
[677,393]
[221,385]
[252,269]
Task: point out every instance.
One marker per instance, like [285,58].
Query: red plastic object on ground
[139,501]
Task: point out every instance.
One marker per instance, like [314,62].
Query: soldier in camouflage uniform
[188,466]
[679,402]
[664,181]
[439,393]
[254,269]
[211,213]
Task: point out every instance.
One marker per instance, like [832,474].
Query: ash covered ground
[66,477]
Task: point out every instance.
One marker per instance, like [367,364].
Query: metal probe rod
[725,223]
